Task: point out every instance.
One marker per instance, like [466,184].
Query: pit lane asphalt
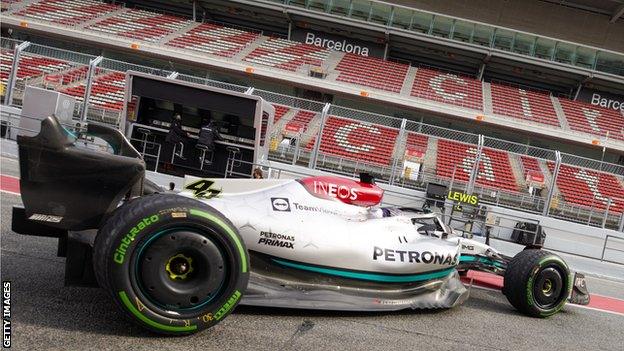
[47,315]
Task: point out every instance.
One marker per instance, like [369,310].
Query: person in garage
[208,134]
[177,136]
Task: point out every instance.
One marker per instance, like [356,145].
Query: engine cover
[344,190]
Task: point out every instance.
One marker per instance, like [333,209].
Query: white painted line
[567,304]
[596,309]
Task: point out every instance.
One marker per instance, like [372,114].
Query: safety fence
[348,141]
[472,94]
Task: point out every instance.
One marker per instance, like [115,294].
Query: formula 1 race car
[179,263]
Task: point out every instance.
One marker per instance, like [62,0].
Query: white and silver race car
[180,263]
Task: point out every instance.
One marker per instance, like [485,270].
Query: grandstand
[285,54]
[107,91]
[214,39]
[467,96]
[448,88]
[455,160]
[372,72]
[352,140]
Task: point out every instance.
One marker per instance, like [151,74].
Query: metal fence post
[551,191]
[87,96]
[396,159]
[604,219]
[475,166]
[250,91]
[450,187]
[621,228]
[317,144]
[296,152]
[8,97]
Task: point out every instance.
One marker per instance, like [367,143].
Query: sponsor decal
[300,207]
[120,252]
[274,239]
[334,190]
[280,204]
[392,255]
[45,218]
[579,281]
[394,302]
[178,214]
[227,306]
[344,190]
[468,247]
[202,189]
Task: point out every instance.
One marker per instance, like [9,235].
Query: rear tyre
[173,265]
[537,283]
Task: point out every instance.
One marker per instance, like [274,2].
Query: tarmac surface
[47,315]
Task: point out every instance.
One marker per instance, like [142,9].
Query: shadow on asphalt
[94,311]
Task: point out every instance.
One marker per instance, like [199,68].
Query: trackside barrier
[612,245]
[311,150]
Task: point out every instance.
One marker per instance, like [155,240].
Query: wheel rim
[179,267]
[548,288]
[180,270]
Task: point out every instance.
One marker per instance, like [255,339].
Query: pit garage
[241,121]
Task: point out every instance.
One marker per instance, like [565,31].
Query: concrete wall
[533,16]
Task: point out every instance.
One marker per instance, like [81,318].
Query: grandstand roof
[612,8]
[423,48]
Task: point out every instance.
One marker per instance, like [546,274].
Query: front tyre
[537,283]
[174,265]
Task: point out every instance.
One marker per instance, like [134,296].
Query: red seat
[592,119]
[214,39]
[139,24]
[30,65]
[449,88]
[458,158]
[589,188]
[107,91]
[372,72]
[524,104]
[286,54]
[280,111]
[358,141]
[67,12]
[530,164]
[416,144]
[300,122]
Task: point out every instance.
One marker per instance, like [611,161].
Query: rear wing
[72,188]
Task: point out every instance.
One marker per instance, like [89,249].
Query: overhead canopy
[192,96]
